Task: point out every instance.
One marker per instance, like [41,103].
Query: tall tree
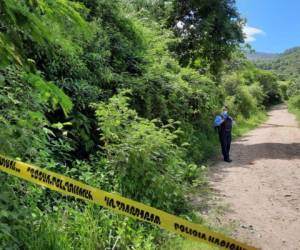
[209,31]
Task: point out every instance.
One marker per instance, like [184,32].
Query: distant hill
[261,56]
[287,64]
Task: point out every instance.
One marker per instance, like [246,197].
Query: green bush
[294,106]
[142,155]
[268,81]
[257,93]
[293,88]
[230,102]
[247,105]
[59,57]
[243,102]
[295,101]
[284,85]
[232,82]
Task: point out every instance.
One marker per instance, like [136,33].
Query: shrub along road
[262,184]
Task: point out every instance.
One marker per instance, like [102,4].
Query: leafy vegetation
[113,94]
[209,32]
[287,67]
[294,106]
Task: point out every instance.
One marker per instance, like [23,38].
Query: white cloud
[251,33]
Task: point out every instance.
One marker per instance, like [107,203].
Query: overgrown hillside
[287,64]
[120,95]
[255,56]
[287,67]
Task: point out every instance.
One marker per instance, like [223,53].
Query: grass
[181,243]
[297,113]
[89,226]
[242,125]
[293,108]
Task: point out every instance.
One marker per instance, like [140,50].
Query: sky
[272,25]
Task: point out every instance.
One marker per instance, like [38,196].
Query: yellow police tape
[119,204]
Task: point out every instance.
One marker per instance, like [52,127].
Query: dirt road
[262,184]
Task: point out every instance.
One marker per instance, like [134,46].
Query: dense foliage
[107,92]
[209,32]
[287,67]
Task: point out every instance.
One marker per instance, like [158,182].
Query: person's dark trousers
[225,140]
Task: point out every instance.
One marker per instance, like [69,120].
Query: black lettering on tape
[142,214]
[137,212]
[81,192]
[121,206]
[9,164]
[112,203]
[191,231]
[222,243]
[132,210]
[152,217]
[40,176]
[157,220]
[71,188]
[61,186]
[147,217]
[232,246]
[106,199]
[57,184]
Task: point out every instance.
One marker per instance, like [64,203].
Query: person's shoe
[228,160]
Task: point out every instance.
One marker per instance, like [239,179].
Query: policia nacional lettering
[9,164]
[196,233]
[59,183]
[129,209]
[122,205]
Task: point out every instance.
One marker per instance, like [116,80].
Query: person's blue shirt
[220,118]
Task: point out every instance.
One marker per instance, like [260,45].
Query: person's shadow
[249,153]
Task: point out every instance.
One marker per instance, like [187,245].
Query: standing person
[223,123]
